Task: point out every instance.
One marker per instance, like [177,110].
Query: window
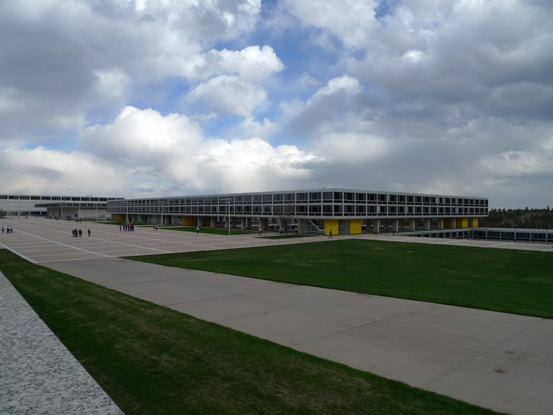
[315,210]
[315,197]
[327,196]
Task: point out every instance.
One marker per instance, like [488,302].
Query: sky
[164,97]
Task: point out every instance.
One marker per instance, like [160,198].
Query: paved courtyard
[496,360]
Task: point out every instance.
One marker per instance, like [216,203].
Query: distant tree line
[518,218]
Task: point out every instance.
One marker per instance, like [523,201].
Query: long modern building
[61,206]
[317,211]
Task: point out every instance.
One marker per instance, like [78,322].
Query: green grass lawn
[504,280]
[213,231]
[153,360]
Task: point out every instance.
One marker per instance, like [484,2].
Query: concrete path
[495,360]
[500,361]
[38,375]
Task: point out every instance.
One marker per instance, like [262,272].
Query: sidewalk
[38,375]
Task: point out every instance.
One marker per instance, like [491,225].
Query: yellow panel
[332,225]
[207,221]
[461,223]
[475,222]
[188,221]
[355,226]
[447,223]
[121,218]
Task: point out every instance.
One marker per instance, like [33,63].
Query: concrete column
[264,223]
[440,223]
[213,221]
[453,223]
[412,225]
[232,222]
[243,223]
[427,224]
[395,225]
[248,223]
[282,224]
[376,225]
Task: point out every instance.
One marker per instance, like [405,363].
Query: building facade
[84,207]
[317,211]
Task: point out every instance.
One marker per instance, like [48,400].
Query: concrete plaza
[496,360]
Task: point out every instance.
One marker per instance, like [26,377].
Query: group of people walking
[9,229]
[77,233]
[126,227]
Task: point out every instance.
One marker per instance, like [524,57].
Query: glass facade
[303,204]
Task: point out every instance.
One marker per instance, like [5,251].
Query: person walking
[260,231]
[89,233]
[80,233]
[330,234]
[197,230]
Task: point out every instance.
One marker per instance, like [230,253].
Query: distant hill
[518,218]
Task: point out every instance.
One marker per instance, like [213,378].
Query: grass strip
[153,360]
[213,231]
[503,280]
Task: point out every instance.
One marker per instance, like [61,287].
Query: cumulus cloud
[229,94]
[144,145]
[251,63]
[352,21]
[44,171]
[60,70]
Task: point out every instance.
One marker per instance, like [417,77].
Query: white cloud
[352,21]
[518,163]
[251,128]
[229,94]
[251,63]
[111,83]
[144,146]
[352,147]
[44,171]
[348,85]
[305,81]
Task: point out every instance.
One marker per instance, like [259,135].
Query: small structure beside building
[72,207]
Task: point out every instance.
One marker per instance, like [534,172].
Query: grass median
[153,360]
[503,280]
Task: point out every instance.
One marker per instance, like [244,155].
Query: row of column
[449,223]
[245,223]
